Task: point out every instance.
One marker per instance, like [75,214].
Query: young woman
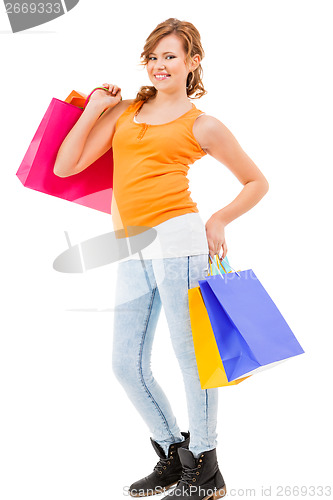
[154,139]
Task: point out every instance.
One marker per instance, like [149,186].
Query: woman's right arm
[91,136]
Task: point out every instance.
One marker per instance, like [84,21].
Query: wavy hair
[191,39]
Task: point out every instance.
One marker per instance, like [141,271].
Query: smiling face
[166,66]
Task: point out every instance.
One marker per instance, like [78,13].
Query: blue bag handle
[224,264]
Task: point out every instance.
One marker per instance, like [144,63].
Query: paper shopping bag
[76,98]
[209,363]
[91,187]
[250,331]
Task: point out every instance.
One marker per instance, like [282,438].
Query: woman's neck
[163,100]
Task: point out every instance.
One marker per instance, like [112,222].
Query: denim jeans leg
[137,309]
[174,276]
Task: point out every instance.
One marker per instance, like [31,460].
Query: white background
[67,428]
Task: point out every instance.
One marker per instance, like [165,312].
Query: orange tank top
[151,162]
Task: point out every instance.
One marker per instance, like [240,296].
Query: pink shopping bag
[91,187]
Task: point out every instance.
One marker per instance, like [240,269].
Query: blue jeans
[142,287]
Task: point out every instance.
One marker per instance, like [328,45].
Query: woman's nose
[160,64]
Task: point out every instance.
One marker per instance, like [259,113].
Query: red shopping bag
[91,187]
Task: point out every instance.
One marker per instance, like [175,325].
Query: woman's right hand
[107,98]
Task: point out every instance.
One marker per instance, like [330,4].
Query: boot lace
[188,475]
[162,463]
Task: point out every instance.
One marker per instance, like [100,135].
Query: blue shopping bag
[250,331]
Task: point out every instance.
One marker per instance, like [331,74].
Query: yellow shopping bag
[210,367]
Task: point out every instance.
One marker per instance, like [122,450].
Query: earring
[191,80]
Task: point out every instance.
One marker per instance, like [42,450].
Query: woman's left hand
[215,237]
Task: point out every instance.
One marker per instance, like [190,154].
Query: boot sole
[158,492]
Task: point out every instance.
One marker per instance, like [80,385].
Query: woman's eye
[153,57]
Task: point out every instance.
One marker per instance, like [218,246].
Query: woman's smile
[162,76]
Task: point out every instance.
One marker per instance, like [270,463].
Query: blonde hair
[190,37]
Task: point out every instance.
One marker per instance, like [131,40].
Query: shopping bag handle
[218,261]
[222,266]
[91,93]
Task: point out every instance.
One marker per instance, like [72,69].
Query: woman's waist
[179,236]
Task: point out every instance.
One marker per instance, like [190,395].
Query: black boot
[201,477]
[166,472]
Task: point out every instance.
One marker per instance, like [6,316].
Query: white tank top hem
[179,236]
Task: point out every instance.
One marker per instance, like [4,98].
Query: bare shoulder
[126,102]
[207,129]
[119,108]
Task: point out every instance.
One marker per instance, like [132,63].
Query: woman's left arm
[217,140]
